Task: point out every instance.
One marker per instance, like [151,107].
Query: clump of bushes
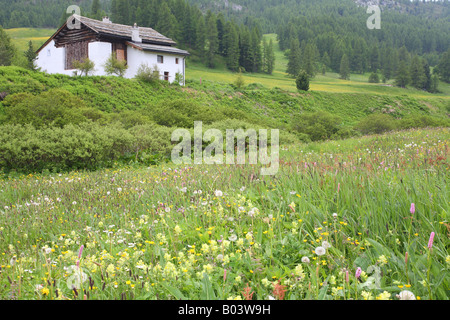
[87,145]
[318,125]
[55,107]
[374,78]
[376,123]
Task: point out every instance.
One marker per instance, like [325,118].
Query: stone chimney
[106,19]
[135,37]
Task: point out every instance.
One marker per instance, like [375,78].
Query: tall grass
[205,232]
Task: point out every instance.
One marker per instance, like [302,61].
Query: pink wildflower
[358,272]
[430,242]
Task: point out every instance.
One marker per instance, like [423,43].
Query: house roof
[115,30]
[125,31]
[157,48]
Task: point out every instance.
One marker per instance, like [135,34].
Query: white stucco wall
[99,52]
[137,57]
[52,60]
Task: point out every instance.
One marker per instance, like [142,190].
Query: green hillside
[36,104]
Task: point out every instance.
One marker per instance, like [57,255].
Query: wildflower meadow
[359,219]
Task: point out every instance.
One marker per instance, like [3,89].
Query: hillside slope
[256,103]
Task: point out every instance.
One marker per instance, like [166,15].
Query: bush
[422,121]
[148,74]
[376,123]
[374,78]
[84,146]
[302,81]
[55,107]
[114,66]
[150,139]
[318,125]
[86,66]
[182,113]
[239,82]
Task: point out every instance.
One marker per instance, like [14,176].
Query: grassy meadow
[364,218]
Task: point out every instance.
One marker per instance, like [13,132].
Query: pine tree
[402,74]
[302,81]
[293,67]
[427,76]
[308,59]
[245,52]
[270,57]
[231,47]
[374,59]
[416,73]
[200,36]
[326,60]
[31,56]
[359,54]
[211,39]
[167,24]
[443,67]
[96,9]
[220,33]
[434,83]
[7,49]
[344,70]
[255,43]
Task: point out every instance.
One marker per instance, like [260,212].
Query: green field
[335,223]
[91,207]
[22,36]
[329,82]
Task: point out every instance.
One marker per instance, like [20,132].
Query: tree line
[206,35]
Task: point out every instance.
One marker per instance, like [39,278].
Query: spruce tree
[270,58]
[443,67]
[231,46]
[344,69]
[255,45]
[31,56]
[293,67]
[416,73]
[200,37]
[96,9]
[212,43]
[7,49]
[402,75]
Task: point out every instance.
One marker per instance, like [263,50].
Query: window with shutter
[77,51]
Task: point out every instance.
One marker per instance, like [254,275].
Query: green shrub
[148,74]
[302,81]
[150,139]
[55,107]
[422,121]
[318,125]
[114,66]
[374,78]
[85,66]
[182,113]
[84,146]
[376,123]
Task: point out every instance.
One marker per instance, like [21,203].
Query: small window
[49,53]
[176,60]
[160,59]
[166,76]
